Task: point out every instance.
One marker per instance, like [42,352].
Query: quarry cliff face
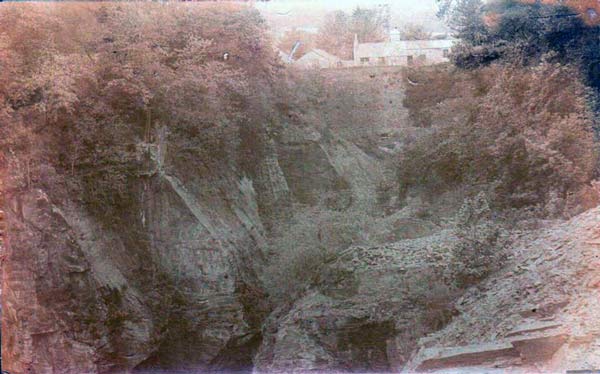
[171,277]
[536,314]
[163,232]
[179,197]
[365,314]
[170,281]
[171,285]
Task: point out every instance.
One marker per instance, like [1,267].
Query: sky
[309,14]
[396,5]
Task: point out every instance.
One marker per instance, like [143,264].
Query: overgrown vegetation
[505,134]
[510,128]
[301,251]
[481,245]
[522,135]
[526,32]
[336,34]
[81,100]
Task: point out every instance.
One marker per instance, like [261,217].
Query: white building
[402,52]
[395,35]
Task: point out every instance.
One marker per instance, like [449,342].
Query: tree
[415,32]
[368,24]
[466,19]
[527,32]
[589,10]
[522,134]
[78,98]
[336,35]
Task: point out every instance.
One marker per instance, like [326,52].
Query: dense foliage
[336,34]
[526,32]
[79,102]
[523,135]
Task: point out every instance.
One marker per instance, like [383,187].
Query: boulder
[538,348]
[472,355]
[533,327]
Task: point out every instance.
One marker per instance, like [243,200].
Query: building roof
[400,48]
[321,53]
[318,54]
[318,57]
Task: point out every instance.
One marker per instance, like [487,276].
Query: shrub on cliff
[299,252]
[522,135]
[481,245]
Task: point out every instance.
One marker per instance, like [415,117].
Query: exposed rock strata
[167,283]
[543,304]
[359,317]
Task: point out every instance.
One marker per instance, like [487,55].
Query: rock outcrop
[167,278]
[165,282]
[536,315]
[360,315]
[168,281]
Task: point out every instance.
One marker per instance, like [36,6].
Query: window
[364,59]
[422,58]
[381,60]
[409,60]
[446,53]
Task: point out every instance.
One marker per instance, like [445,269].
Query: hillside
[176,199]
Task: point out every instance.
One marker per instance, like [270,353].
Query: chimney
[355,48]
[395,35]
